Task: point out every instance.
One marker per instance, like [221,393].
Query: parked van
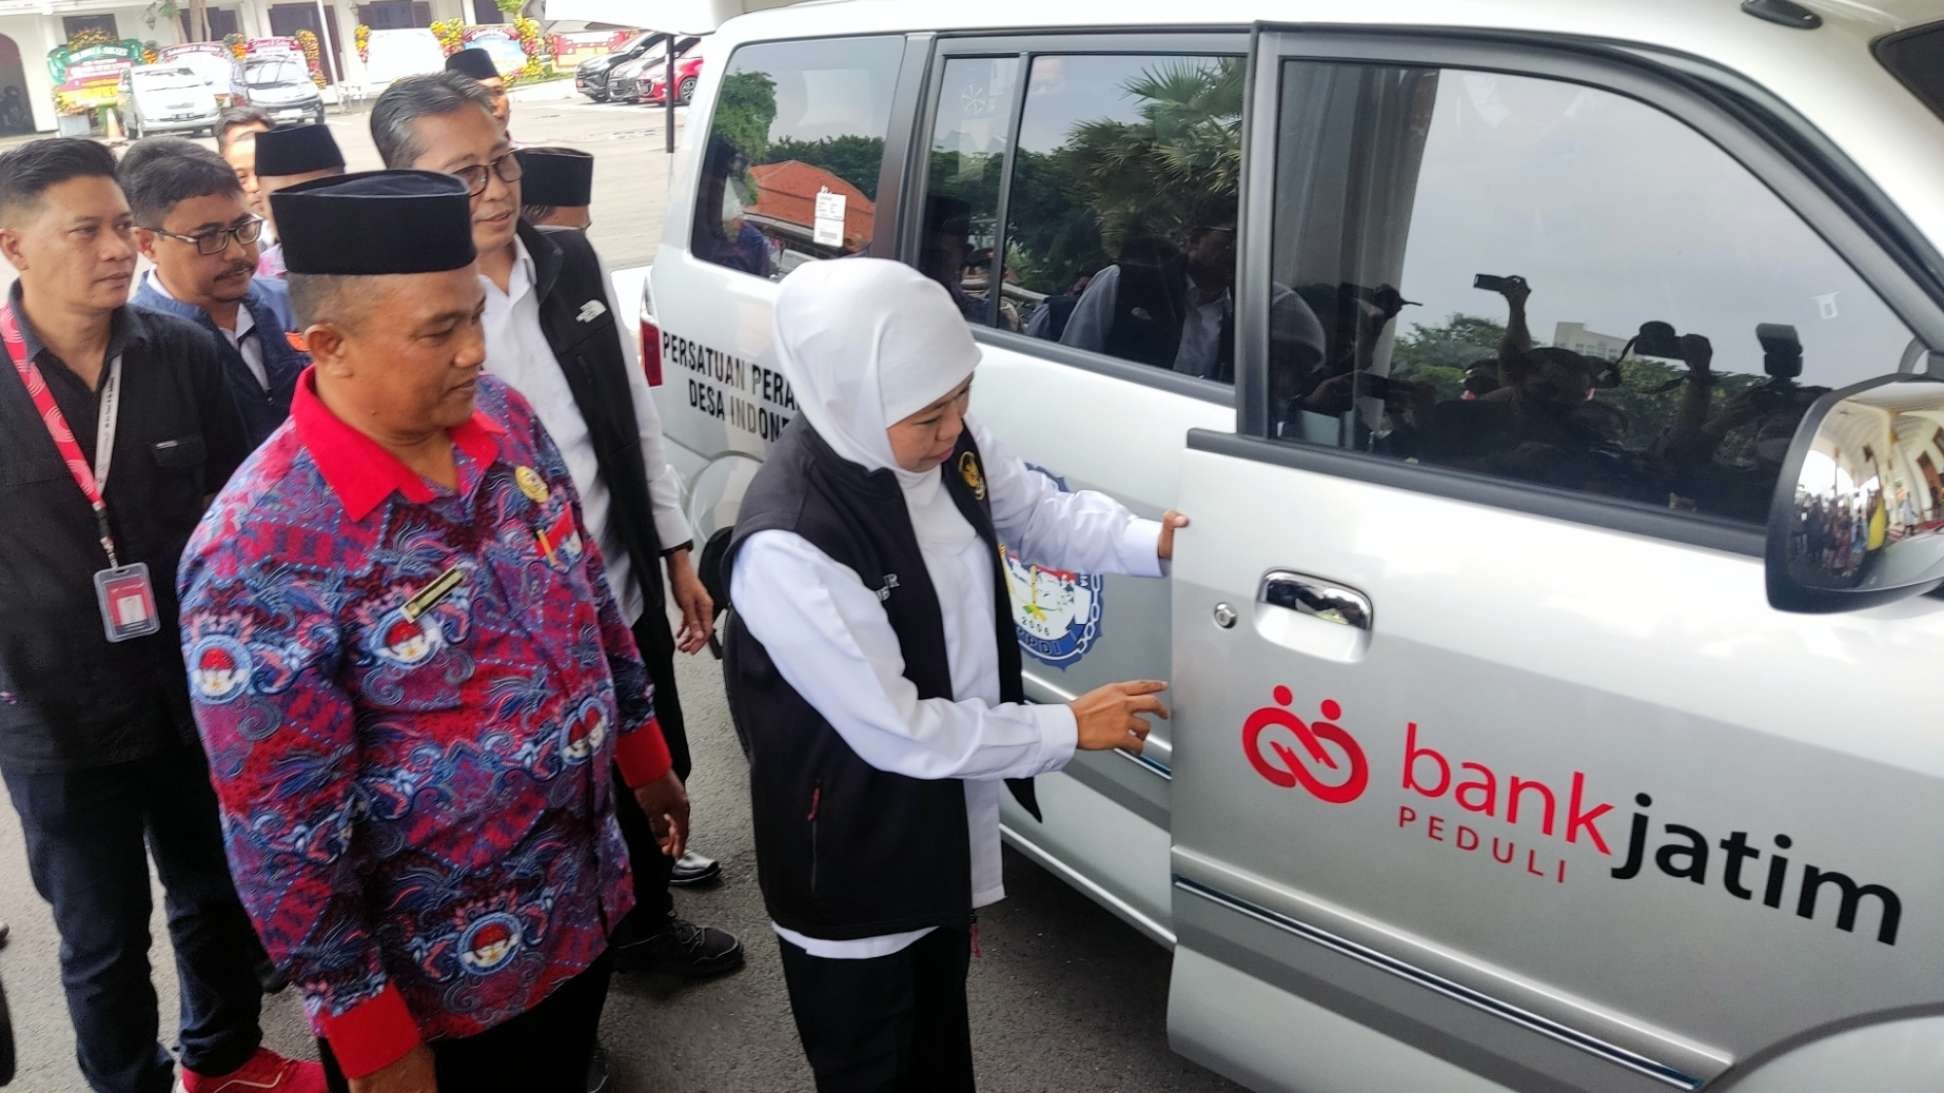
[1555,390]
[280,86]
[166,98]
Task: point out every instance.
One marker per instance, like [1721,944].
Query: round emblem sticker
[1056,612]
[219,666]
[489,943]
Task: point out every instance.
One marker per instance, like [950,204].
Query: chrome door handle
[1317,598]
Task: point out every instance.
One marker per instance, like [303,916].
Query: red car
[688,72]
[647,82]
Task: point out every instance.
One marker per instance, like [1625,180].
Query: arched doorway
[16,115]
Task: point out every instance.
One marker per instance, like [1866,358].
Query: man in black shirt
[115,425]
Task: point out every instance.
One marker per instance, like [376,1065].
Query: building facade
[30,29]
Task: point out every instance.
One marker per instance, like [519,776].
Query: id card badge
[127,602]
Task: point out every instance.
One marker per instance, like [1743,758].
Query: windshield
[1917,58]
[276,72]
[165,81]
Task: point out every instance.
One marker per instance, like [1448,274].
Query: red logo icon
[1283,766]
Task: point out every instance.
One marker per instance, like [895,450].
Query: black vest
[567,277]
[1150,306]
[845,850]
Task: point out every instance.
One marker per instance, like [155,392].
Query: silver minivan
[1557,389]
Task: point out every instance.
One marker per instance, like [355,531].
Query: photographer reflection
[1174,307]
[728,239]
[1316,386]
[1049,319]
[1715,476]
[1540,426]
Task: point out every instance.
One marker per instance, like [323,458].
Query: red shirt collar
[357,469]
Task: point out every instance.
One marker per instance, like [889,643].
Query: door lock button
[1224,616]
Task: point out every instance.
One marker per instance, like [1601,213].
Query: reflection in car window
[1122,213]
[968,154]
[1552,283]
[790,166]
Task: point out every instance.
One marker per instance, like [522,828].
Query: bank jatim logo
[1533,824]
[1264,737]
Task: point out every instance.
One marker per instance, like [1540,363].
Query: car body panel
[1339,948]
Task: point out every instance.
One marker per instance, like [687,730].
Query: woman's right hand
[1110,717]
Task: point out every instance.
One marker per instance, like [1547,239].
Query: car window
[967,157]
[790,167]
[1548,282]
[180,78]
[1120,217]
[266,75]
[1917,58]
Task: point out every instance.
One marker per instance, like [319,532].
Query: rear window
[1917,58]
[790,166]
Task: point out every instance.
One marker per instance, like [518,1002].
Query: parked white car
[1557,390]
[166,98]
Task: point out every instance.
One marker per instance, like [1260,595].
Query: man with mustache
[193,221]
[552,334]
[115,426]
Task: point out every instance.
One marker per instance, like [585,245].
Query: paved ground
[1066,998]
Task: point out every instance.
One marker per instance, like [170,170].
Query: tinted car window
[1552,283]
[976,98]
[1121,221]
[790,167]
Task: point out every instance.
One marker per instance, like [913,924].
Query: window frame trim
[1676,89]
[1026,46]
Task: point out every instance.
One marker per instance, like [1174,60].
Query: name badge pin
[531,484]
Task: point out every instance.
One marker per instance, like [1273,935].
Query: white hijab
[866,342]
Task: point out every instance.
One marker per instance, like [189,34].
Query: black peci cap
[474,62]
[560,177]
[375,222]
[297,150]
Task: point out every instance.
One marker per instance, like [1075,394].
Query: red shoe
[264,1072]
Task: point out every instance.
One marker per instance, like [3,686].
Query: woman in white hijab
[873,669]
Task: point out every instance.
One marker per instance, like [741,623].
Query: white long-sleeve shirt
[517,352]
[828,635]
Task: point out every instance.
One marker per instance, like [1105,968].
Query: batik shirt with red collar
[410,697]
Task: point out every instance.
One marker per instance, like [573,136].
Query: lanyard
[92,480]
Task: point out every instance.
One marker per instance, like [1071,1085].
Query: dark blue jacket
[269,303]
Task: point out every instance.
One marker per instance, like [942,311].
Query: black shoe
[681,948]
[692,870]
[4,929]
[597,1070]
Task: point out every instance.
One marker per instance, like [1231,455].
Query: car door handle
[1317,598]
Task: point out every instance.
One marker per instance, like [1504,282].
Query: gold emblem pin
[530,484]
[974,478]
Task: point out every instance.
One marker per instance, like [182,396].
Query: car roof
[1828,75]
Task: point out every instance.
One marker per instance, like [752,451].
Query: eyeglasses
[216,240]
[507,167]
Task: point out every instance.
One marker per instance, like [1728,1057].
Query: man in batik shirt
[411,677]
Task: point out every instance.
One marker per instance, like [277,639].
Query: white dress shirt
[517,352]
[246,347]
[829,637]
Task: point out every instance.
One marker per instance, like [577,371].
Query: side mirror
[1858,518]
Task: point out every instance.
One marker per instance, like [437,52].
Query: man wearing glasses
[194,222]
[115,426]
[551,333]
